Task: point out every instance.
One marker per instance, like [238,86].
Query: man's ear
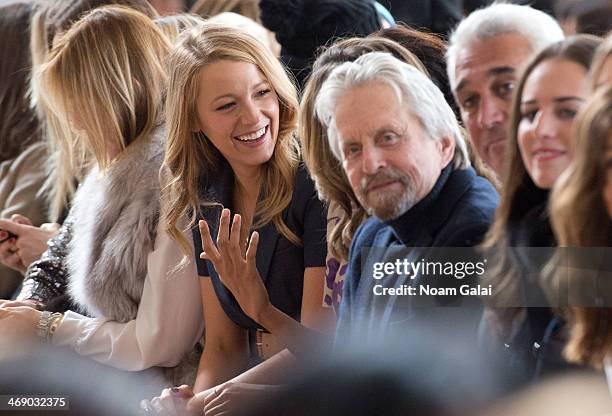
[447,149]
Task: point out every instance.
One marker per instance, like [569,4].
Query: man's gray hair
[537,27]
[409,84]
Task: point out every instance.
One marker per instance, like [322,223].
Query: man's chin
[387,207]
[495,157]
[384,216]
[387,213]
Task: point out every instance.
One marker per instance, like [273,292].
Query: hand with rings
[172,402]
[234,397]
[27,242]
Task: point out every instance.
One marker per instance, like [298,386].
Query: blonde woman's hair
[51,18]
[175,24]
[105,78]
[604,51]
[579,217]
[224,11]
[250,26]
[190,155]
[209,8]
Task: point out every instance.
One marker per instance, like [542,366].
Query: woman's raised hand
[237,271]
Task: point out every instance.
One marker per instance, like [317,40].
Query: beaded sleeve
[47,277]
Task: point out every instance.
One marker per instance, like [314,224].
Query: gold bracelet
[47,324]
[56,320]
[43,324]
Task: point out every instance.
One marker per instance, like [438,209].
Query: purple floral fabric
[334,281]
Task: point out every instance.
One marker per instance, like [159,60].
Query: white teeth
[252,136]
[546,153]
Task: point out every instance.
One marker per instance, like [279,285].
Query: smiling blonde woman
[231,116]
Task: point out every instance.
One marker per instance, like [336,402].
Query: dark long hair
[520,194]
[580,219]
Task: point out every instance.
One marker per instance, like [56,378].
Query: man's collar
[419,224]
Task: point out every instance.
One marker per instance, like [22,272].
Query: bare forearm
[272,371]
[299,339]
[217,366]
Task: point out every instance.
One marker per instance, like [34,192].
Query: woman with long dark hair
[551,91]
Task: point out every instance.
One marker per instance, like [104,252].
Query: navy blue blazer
[456,213]
[280,263]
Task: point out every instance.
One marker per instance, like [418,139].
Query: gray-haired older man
[484,56]
[405,158]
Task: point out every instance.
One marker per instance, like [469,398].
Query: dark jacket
[456,213]
[535,349]
[280,262]
[438,16]
[303,26]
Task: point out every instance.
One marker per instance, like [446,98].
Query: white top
[168,324]
[608,371]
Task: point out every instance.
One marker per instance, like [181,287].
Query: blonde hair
[105,77]
[52,17]
[190,155]
[250,26]
[225,11]
[604,51]
[208,8]
[175,24]
[578,217]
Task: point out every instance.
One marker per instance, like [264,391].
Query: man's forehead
[372,128]
[490,57]
[400,123]
[484,76]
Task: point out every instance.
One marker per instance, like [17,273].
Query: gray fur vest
[115,217]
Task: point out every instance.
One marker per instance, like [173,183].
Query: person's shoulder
[305,210]
[304,191]
[480,200]
[368,231]
[365,236]
[471,214]
[303,182]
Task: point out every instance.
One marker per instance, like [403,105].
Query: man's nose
[492,112]
[372,160]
